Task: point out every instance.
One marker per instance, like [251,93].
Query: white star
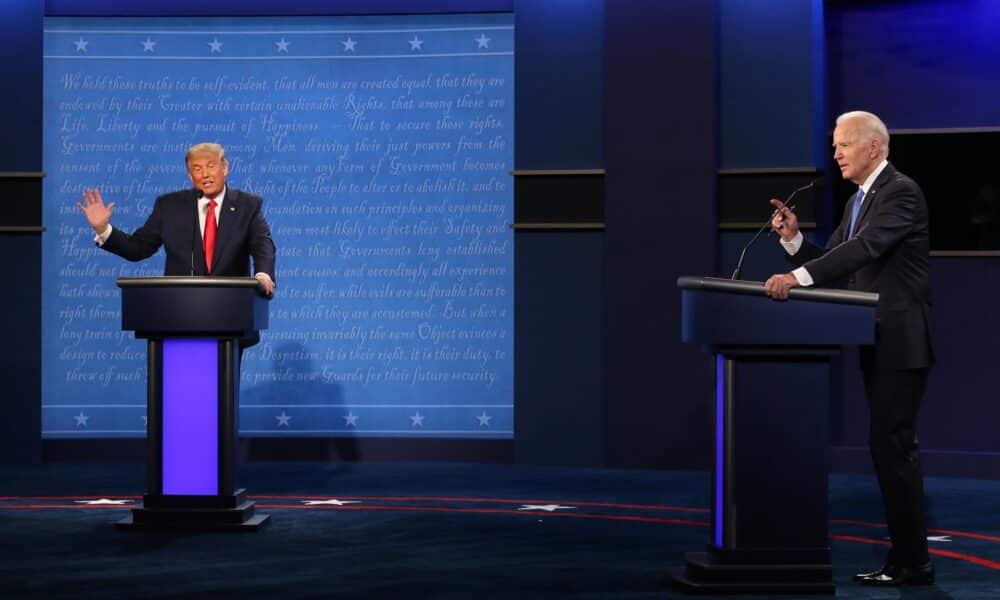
[147,46]
[483,41]
[484,419]
[103,501]
[417,420]
[216,45]
[81,419]
[81,45]
[282,45]
[145,421]
[349,44]
[545,507]
[939,538]
[283,419]
[416,43]
[351,419]
[332,501]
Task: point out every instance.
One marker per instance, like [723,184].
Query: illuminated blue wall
[917,64]
[382,147]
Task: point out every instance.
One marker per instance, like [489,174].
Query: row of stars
[350,419]
[339,502]
[946,539]
[281,46]
[328,502]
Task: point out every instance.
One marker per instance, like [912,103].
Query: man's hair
[206,148]
[870,127]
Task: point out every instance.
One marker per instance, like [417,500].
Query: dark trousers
[894,398]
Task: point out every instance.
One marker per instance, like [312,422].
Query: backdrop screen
[382,147]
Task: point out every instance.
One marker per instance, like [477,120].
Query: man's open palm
[98,214]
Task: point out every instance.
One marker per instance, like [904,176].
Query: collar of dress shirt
[867,185]
[204,200]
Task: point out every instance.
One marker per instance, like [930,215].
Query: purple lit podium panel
[771,432]
[193,326]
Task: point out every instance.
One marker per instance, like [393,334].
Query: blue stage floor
[433,530]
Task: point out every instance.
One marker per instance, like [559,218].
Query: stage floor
[435,530]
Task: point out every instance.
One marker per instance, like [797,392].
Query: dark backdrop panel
[559,352]
[770,83]
[191,8]
[558,64]
[917,64]
[744,197]
[21,350]
[560,337]
[660,210]
[21,55]
[20,248]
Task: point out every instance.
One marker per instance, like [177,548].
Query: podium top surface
[192,306]
[190,281]
[756,288]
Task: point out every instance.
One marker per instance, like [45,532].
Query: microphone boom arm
[743,253]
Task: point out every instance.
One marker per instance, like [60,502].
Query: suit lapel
[873,196]
[197,248]
[227,223]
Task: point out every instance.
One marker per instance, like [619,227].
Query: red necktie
[208,240]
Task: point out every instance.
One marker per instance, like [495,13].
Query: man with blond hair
[207,230]
[881,245]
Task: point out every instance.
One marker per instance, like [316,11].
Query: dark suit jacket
[888,254]
[243,233]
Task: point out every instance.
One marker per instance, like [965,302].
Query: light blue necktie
[854,211]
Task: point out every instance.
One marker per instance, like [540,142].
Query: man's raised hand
[98,214]
[784,222]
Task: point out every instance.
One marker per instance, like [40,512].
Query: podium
[193,327]
[771,434]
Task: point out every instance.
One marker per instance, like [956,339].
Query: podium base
[703,575]
[252,524]
[204,513]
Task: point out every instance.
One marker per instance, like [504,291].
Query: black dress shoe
[864,576]
[895,576]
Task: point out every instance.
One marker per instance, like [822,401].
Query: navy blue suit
[889,254]
[242,234]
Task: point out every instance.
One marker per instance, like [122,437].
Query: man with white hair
[207,230]
[881,245]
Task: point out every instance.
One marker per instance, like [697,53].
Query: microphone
[815,183]
[200,195]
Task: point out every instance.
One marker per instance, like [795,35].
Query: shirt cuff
[792,246]
[100,238]
[803,276]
